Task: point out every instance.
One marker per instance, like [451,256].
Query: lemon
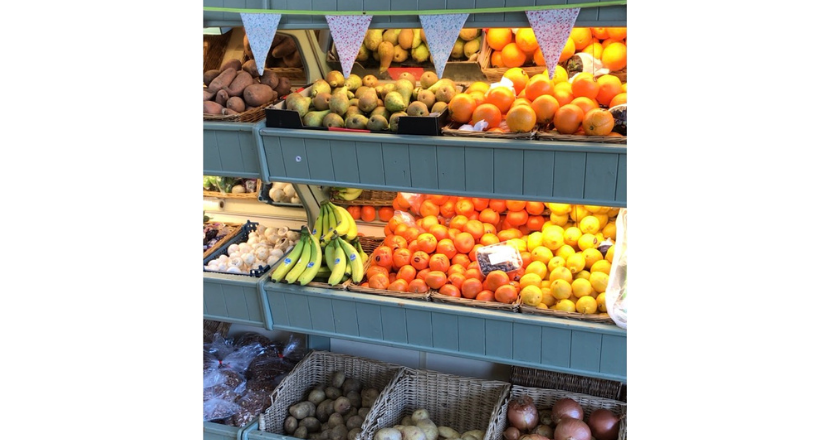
[564,251]
[610,231]
[531,295]
[545,284]
[588,241]
[581,287]
[613,212]
[596,209]
[538,268]
[584,274]
[542,254]
[572,235]
[601,303]
[603,266]
[530,279]
[586,305]
[561,273]
[560,74]
[575,262]
[589,225]
[565,305]
[561,289]
[609,254]
[552,238]
[559,220]
[578,212]
[599,281]
[548,300]
[555,262]
[518,243]
[559,208]
[603,220]
[542,305]
[592,256]
[534,240]
[600,238]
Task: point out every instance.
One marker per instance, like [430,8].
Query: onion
[511,433]
[565,407]
[522,413]
[572,429]
[544,430]
[604,424]
[533,437]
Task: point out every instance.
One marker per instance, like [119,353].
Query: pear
[387,87]
[319,86]
[361,90]
[370,81]
[333,120]
[405,38]
[400,54]
[409,77]
[377,123]
[321,101]
[372,39]
[343,89]
[443,81]
[445,93]
[391,35]
[420,53]
[426,97]
[300,104]
[393,120]
[353,82]
[367,102]
[417,108]
[381,110]
[427,79]
[386,51]
[339,103]
[394,102]
[357,121]
[438,107]
[472,47]
[404,87]
[362,53]
[335,79]
[468,34]
[352,110]
[315,118]
[354,101]
[457,49]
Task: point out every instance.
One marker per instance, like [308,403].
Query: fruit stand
[578,169]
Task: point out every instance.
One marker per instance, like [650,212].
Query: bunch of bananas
[302,263]
[347,194]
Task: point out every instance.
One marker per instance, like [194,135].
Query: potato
[243,79]
[447,432]
[354,422]
[337,379]
[316,395]
[413,433]
[368,396]
[236,104]
[429,428]
[339,432]
[333,392]
[283,48]
[256,95]
[335,419]
[221,97]
[301,410]
[342,404]
[301,432]
[234,63]
[387,434]
[354,398]
[270,78]
[250,67]
[407,421]
[290,424]
[351,412]
[325,409]
[210,75]
[311,423]
[353,433]
[222,80]
[284,86]
[207,95]
[420,414]
[363,412]
[229,112]
[477,433]
[212,108]
[293,59]
[351,384]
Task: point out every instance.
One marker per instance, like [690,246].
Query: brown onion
[565,407]
[543,430]
[604,424]
[511,433]
[533,437]
[572,429]
[522,413]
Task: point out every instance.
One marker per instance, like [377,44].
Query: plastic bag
[615,292]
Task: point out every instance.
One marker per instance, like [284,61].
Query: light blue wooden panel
[473,19]
[230,150]
[446,327]
[505,175]
[556,347]
[499,338]
[322,316]
[478,163]
[419,328]
[402,21]
[295,158]
[471,336]
[396,166]
[393,321]
[622,179]
[380,21]
[235,301]
[424,162]
[451,168]
[345,318]
[279,310]
[527,343]
[344,158]
[272,151]
[613,357]
[370,163]
[369,321]
[298,313]
[568,174]
[216,431]
[538,173]
[319,155]
[585,351]
[601,176]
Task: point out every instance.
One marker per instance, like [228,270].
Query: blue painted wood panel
[226,299]
[230,150]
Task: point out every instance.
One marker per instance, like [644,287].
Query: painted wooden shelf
[232,149]
[237,299]
[566,172]
[607,16]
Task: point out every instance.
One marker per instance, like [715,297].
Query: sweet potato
[235,63]
[284,86]
[228,112]
[224,79]
[246,45]
[222,97]
[250,67]
[293,59]
[207,95]
[243,79]
[256,95]
[270,78]
[212,108]
[284,48]
[210,75]
[236,103]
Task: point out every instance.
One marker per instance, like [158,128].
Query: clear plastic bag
[615,292]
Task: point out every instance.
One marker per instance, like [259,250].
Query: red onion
[572,429]
[522,413]
[604,424]
[565,407]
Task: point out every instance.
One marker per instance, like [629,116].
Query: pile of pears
[365,103]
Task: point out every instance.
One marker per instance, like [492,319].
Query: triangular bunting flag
[260,29]
[441,32]
[348,32]
[552,28]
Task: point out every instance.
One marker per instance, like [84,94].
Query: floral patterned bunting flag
[260,29]
[441,32]
[348,31]
[552,28]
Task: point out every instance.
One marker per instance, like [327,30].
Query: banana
[351,232]
[340,265]
[323,272]
[314,263]
[302,262]
[355,261]
[317,232]
[287,262]
[362,253]
[329,250]
[330,218]
[345,222]
[349,194]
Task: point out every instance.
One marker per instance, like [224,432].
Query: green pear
[457,48]
[426,97]
[417,108]
[420,53]
[321,101]
[377,123]
[333,120]
[438,107]
[301,105]
[394,102]
[315,118]
[381,110]
[404,87]
[427,79]
[372,39]
[393,120]
[357,121]
[353,82]
[319,86]
[339,103]
[351,111]
[335,78]
[472,47]
[409,77]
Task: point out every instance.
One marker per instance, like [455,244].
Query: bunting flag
[348,32]
[552,28]
[441,32]
[260,29]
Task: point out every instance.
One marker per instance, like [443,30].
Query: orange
[563,93]
[495,59]
[568,119]
[495,279]
[447,247]
[526,40]
[480,203]
[436,279]
[581,36]
[464,206]
[521,119]
[585,85]
[535,222]
[395,242]
[367,213]
[427,242]
[617,33]
[497,38]
[621,98]
[475,228]
[518,77]
[374,270]
[521,101]
[513,56]
[498,206]
[399,285]
[478,96]
[506,294]
[470,288]
[448,209]
[535,208]
[594,49]
[458,221]
[609,87]
[538,57]
[419,260]
[608,41]
[461,108]
[401,257]
[501,97]
[537,86]
[461,260]
[598,122]
[464,242]
[486,295]
[450,290]
[406,273]
[488,238]
[428,208]
[568,51]
[354,210]
[517,218]
[488,113]
[403,201]
[382,256]
[379,281]
[614,56]
[439,231]
[599,33]
[385,213]
[428,221]
[418,286]
[487,215]
[586,104]
[545,107]
[515,205]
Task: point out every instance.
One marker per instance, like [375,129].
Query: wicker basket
[225,195]
[603,318]
[234,228]
[452,130]
[366,198]
[461,403]
[545,398]
[317,369]
[532,377]
[465,302]
[554,135]
[494,74]
[214,52]
[369,244]
[253,115]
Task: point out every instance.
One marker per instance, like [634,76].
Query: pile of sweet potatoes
[236,87]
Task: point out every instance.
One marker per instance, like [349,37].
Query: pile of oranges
[607,44]
[566,251]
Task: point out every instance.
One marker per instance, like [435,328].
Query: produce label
[552,28]
[442,31]
[260,29]
[348,32]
